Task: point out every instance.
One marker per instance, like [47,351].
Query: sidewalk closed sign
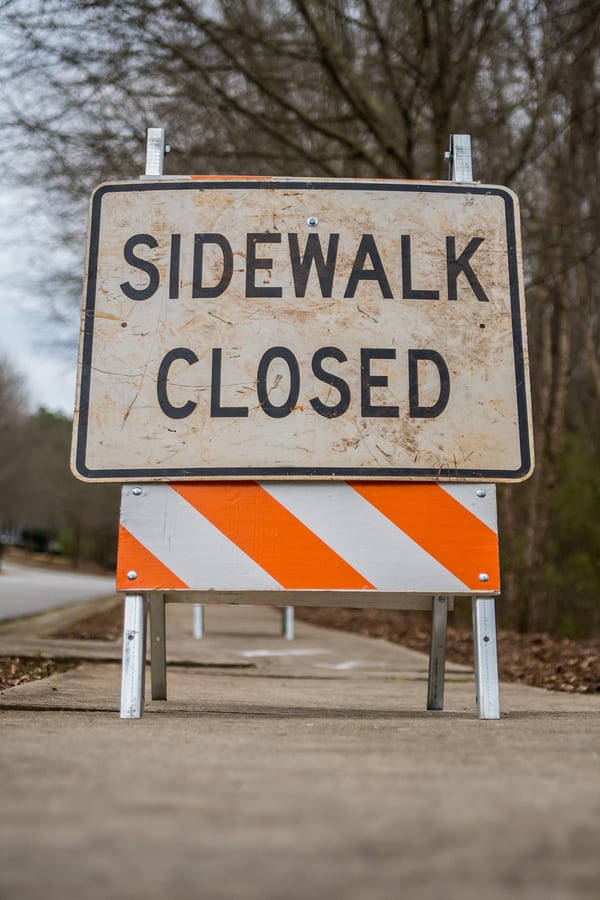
[273,328]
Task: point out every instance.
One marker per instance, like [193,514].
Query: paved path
[27,589]
[291,771]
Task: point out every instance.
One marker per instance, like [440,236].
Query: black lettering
[174,266]
[174,412]
[416,411]
[408,292]
[367,381]
[146,240]
[278,412]
[216,410]
[368,247]
[462,265]
[330,412]
[215,290]
[253,263]
[313,252]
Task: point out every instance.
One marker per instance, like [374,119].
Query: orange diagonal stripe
[151,573]
[270,535]
[442,526]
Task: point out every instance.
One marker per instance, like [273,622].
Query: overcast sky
[27,339]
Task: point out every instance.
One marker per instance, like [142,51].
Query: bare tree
[351,88]
[562,240]
[13,446]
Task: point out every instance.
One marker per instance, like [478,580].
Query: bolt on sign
[273,328]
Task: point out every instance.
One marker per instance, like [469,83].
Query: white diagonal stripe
[188,544]
[483,507]
[365,538]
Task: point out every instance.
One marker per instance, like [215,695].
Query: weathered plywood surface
[284,328]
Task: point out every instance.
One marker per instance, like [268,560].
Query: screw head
[132,575]
[484,577]
[312,221]
[136,491]
[481,493]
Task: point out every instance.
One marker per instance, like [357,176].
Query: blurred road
[25,590]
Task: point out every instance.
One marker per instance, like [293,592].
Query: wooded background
[355,88]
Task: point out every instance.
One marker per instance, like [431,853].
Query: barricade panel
[329,536]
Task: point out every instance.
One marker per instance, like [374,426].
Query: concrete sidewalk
[282,770]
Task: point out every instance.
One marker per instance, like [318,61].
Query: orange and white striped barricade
[347,544]
[203,357]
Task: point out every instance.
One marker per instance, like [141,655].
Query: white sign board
[281,328]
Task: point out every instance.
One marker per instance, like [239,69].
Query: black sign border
[269,472]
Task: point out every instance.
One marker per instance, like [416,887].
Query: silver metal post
[484,616]
[134,656]
[155,152]
[437,654]
[459,158]
[155,160]
[288,623]
[486,658]
[198,621]
[460,169]
[158,647]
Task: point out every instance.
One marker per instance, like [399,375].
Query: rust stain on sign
[281,328]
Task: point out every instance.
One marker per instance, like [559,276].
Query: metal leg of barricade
[158,647]
[486,658]
[198,621]
[134,656]
[287,622]
[437,653]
